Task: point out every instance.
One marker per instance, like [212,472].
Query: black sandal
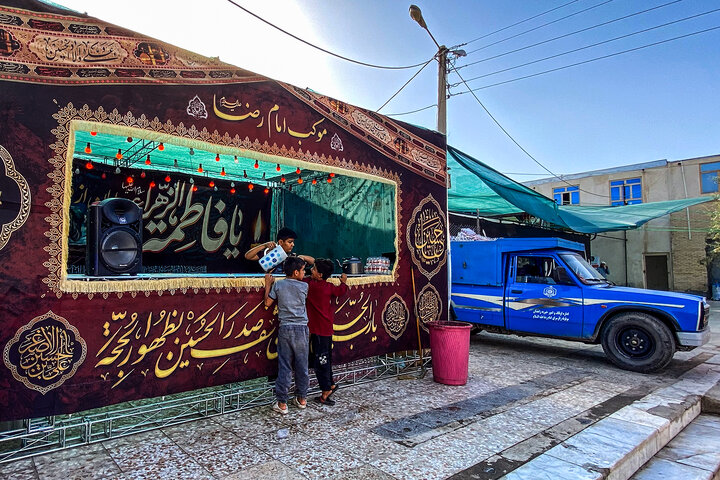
[325,401]
[333,389]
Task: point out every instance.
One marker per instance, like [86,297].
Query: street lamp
[416,15]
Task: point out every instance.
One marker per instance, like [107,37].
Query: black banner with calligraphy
[188,227]
[71,342]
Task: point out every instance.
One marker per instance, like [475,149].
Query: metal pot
[351,266]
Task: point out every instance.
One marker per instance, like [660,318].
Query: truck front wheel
[638,342]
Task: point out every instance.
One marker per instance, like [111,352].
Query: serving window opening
[203,206]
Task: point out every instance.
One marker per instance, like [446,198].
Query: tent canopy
[479,189]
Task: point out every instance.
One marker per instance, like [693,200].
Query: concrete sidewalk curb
[617,446]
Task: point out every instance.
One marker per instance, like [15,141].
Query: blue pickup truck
[545,287]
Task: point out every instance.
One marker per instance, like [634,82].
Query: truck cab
[545,287]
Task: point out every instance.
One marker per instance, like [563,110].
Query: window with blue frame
[626,192]
[709,177]
[567,195]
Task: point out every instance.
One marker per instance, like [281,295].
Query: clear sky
[660,102]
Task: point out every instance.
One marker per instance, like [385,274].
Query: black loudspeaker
[114,238]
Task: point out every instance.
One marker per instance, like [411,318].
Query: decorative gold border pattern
[70,118]
[409,233]
[16,338]
[25,200]
[428,288]
[394,299]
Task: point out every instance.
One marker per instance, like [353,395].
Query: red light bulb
[297,170]
[211,184]
[222,172]
[282,179]
[103,176]
[250,186]
[147,160]
[314,182]
[194,188]
[257,165]
[142,174]
[200,169]
[300,180]
[232,191]
[267,190]
[278,167]
[167,178]
[88,149]
[152,184]
[329,180]
[217,157]
[93,133]
[119,154]
[129,179]
[161,147]
[89,165]
[332,175]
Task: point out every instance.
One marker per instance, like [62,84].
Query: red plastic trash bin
[450,345]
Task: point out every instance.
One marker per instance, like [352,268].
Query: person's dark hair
[325,267]
[293,263]
[285,233]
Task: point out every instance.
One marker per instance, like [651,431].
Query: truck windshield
[581,268]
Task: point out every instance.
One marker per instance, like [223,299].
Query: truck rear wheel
[638,342]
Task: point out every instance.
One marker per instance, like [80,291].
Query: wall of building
[680,236]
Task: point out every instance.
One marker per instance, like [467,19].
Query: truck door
[541,297]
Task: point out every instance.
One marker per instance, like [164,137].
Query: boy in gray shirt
[293,335]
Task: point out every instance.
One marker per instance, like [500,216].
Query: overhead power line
[585,61]
[412,111]
[518,144]
[406,83]
[518,23]
[540,26]
[569,34]
[372,65]
[588,46]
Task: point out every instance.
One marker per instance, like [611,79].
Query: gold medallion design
[428,306]
[14,198]
[395,316]
[45,352]
[427,236]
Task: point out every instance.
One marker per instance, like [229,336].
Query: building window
[626,192]
[709,177]
[567,195]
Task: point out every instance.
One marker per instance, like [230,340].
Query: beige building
[668,253]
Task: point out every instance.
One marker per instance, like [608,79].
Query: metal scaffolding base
[25,438]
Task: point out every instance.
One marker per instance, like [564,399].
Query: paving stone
[660,469]
[88,462]
[546,467]
[271,470]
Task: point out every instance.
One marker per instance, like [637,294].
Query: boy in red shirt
[320,322]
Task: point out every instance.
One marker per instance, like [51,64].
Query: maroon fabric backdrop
[67,350]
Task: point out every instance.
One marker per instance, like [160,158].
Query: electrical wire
[406,83]
[539,26]
[385,67]
[520,146]
[569,34]
[588,46]
[585,61]
[412,111]
[516,24]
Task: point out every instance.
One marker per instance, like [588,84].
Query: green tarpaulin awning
[479,189]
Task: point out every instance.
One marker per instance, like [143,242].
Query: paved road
[524,395]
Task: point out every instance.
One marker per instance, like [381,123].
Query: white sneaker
[298,404]
[282,411]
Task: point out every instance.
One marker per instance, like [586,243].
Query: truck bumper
[694,339]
